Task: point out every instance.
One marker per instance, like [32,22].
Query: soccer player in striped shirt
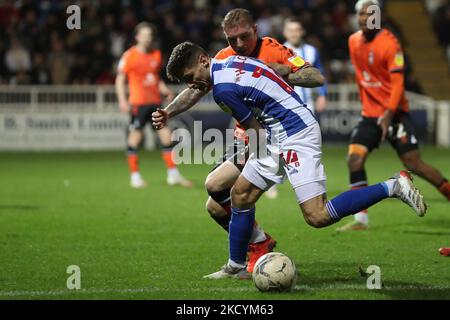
[242,35]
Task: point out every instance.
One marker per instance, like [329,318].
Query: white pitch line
[330,287]
[120,291]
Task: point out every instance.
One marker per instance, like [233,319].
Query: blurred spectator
[440,14]
[218,41]
[79,72]
[433,5]
[9,14]
[89,55]
[442,23]
[40,74]
[17,58]
[59,61]
[264,23]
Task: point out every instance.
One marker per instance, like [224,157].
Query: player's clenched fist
[159,119]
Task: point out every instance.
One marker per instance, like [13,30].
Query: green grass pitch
[61,209]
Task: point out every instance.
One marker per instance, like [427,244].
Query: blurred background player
[294,33]
[242,36]
[379,65]
[141,66]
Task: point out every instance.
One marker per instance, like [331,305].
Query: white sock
[233,264]
[172,172]
[136,176]
[258,234]
[390,183]
[362,217]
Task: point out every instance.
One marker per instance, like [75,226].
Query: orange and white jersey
[143,72]
[268,50]
[374,62]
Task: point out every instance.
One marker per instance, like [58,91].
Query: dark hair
[293,19]
[237,17]
[183,56]
[144,25]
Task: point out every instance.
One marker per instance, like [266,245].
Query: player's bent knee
[214,209]
[316,217]
[317,220]
[212,184]
[209,185]
[241,197]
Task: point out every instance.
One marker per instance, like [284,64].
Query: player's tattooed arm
[185,100]
[307,77]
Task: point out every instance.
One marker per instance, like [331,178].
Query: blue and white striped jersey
[245,86]
[312,55]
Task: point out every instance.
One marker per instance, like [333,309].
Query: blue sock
[353,201]
[240,232]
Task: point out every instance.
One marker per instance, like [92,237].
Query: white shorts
[299,158]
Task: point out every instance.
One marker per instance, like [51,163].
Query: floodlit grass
[61,209]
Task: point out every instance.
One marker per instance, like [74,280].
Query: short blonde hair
[237,17]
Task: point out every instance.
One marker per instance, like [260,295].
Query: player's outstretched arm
[307,77]
[185,100]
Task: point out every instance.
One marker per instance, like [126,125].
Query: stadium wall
[41,118]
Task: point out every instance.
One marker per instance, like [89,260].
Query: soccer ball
[274,271]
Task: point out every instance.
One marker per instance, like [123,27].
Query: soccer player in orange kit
[379,65]
[141,65]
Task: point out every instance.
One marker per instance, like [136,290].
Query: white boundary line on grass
[38,293]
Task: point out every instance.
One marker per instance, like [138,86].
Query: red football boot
[445,252]
[257,250]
